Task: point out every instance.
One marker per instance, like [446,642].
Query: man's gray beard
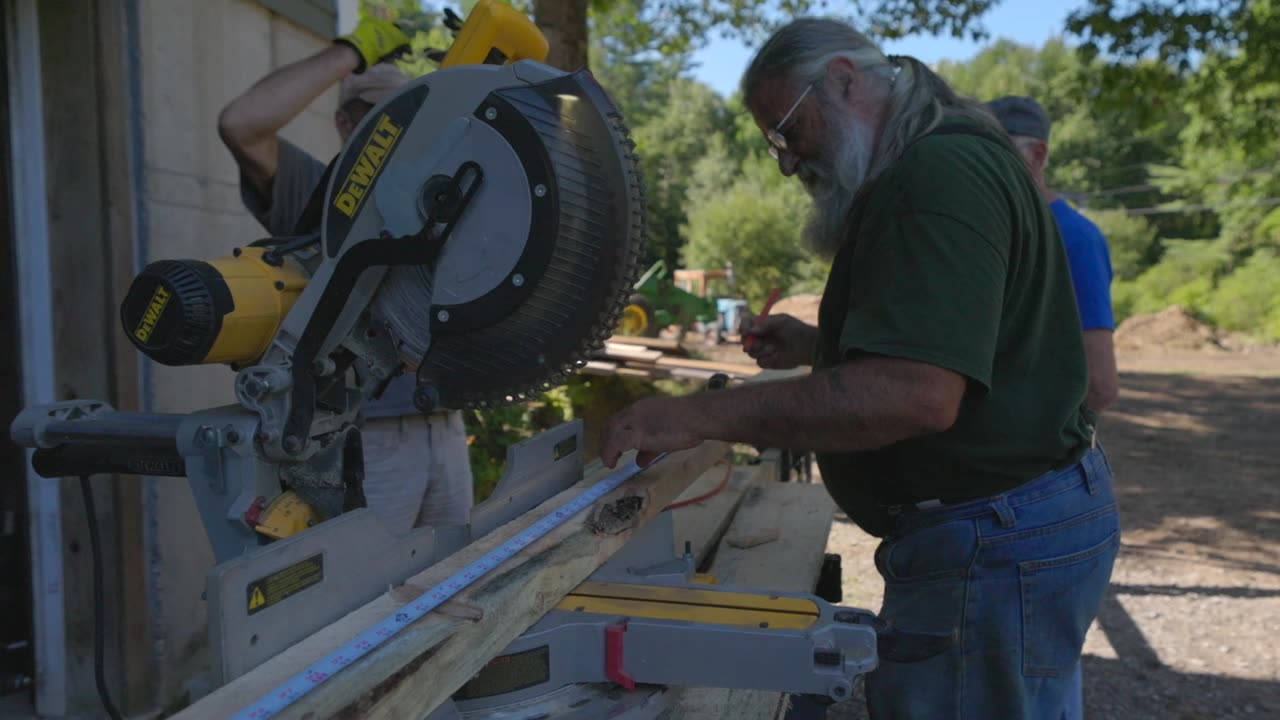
[832,181]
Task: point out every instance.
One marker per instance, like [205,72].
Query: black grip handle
[76,460]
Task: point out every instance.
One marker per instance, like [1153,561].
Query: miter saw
[481,229]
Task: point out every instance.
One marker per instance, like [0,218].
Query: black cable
[99,604]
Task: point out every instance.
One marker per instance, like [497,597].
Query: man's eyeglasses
[776,135]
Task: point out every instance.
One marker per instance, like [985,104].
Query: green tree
[1248,299]
[1225,48]
[1133,242]
[1100,154]
[688,23]
[1186,275]
[670,144]
[749,216]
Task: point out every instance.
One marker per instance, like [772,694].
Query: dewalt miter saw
[481,229]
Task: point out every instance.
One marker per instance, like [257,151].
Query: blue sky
[1030,22]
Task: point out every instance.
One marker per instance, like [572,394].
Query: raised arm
[249,124]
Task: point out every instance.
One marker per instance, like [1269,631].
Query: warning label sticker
[278,586]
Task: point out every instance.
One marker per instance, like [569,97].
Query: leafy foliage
[1132,239]
[670,143]
[1248,299]
[752,222]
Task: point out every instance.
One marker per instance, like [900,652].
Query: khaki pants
[417,471]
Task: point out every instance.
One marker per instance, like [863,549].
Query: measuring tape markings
[297,686]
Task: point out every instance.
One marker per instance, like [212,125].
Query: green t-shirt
[954,259]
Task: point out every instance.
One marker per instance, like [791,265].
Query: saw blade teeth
[492,377]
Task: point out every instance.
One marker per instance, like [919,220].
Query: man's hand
[374,40]
[652,426]
[783,342]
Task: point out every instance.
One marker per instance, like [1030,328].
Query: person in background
[1028,124]
[417,467]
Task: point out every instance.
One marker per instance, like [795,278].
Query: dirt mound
[801,307]
[1172,328]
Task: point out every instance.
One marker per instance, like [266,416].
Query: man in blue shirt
[1028,124]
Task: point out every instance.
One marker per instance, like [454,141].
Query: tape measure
[301,684]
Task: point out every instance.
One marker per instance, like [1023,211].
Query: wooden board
[739,369]
[703,523]
[424,664]
[630,352]
[633,372]
[669,347]
[798,517]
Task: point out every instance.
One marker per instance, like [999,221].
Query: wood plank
[669,347]
[426,662]
[703,523]
[739,369]
[799,517]
[138,661]
[633,372]
[630,352]
[82,254]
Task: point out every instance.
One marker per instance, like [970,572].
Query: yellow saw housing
[226,310]
[496,34]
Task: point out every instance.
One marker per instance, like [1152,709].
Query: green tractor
[658,303]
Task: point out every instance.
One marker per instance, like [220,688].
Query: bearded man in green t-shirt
[946,405]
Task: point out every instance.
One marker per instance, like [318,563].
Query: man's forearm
[857,406]
[278,98]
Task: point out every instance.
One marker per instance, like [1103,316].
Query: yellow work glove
[374,40]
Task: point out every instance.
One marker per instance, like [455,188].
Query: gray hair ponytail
[918,98]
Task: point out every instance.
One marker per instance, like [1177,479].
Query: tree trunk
[564,22]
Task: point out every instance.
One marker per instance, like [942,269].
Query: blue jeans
[1017,578]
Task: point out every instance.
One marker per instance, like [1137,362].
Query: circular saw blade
[566,253]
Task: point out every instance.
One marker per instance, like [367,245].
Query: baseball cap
[372,85]
[1021,116]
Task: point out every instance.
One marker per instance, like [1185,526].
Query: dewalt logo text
[155,308]
[367,166]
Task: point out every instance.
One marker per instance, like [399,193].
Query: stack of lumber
[656,360]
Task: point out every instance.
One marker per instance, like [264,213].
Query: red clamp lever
[613,636]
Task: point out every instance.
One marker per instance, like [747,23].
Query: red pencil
[750,343]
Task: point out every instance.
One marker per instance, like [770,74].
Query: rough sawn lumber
[800,515]
[421,667]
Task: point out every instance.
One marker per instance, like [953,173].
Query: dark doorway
[16,641]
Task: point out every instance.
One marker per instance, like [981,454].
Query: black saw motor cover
[173,310]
